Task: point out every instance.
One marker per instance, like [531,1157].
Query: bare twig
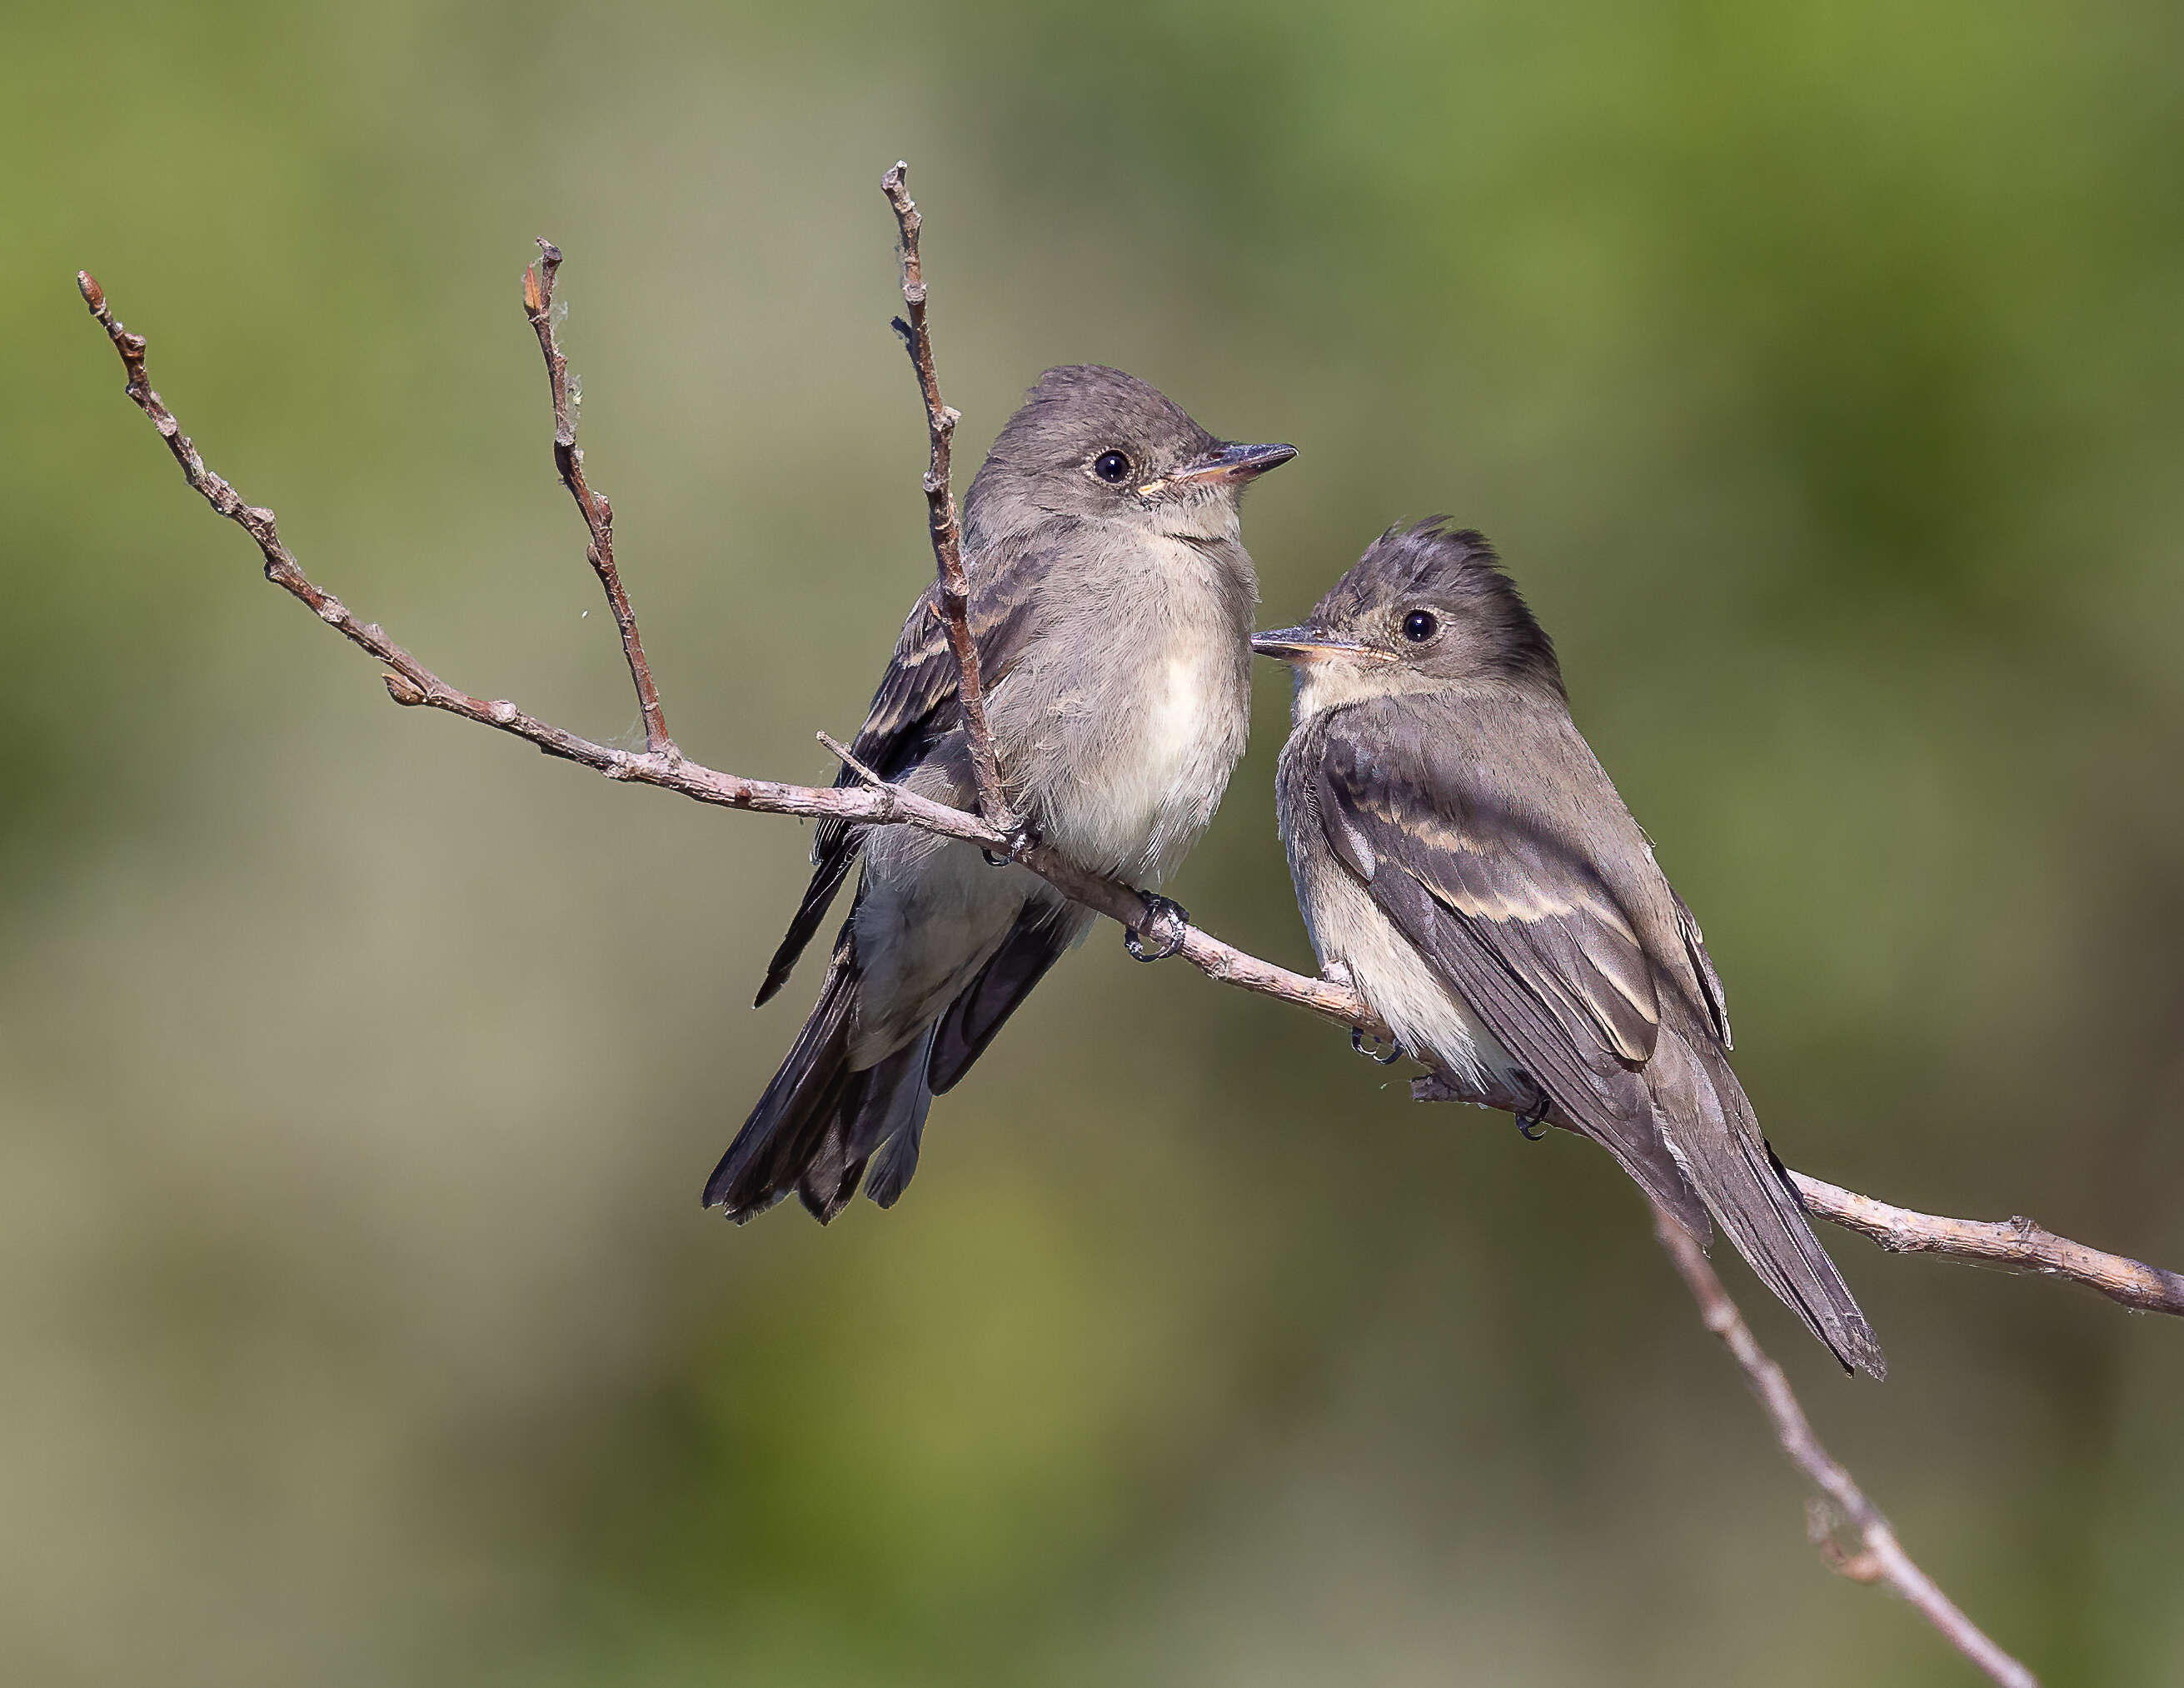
[2017,1242]
[849,760]
[940,512]
[408,682]
[1880,1558]
[2013,1243]
[598,514]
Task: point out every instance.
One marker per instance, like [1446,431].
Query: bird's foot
[1532,1123]
[1338,973]
[1023,839]
[1165,923]
[1371,1046]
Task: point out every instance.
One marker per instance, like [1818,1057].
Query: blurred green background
[1817,369]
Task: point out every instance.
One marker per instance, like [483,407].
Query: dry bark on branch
[598,513]
[940,421]
[2018,1243]
[1878,1558]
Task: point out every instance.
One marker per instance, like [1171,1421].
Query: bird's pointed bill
[1225,462]
[1310,645]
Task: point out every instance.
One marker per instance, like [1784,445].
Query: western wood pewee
[1111,599]
[1460,852]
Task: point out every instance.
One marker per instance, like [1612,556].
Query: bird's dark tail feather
[898,1159]
[1709,1127]
[785,1129]
[819,1122]
[876,1107]
[1032,946]
[818,896]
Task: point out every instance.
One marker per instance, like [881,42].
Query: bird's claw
[1386,1057]
[1532,1123]
[1165,923]
[1023,839]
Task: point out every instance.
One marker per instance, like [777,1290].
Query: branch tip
[946,531]
[2020,1242]
[93,294]
[565,393]
[849,760]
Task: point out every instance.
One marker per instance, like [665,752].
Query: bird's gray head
[1095,444]
[1426,607]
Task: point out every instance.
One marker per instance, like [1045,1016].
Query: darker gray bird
[1462,856]
[1111,600]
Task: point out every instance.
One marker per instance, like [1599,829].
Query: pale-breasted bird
[1111,599]
[1461,853]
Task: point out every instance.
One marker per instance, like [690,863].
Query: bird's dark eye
[1420,625]
[1112,468]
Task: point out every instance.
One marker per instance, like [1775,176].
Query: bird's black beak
[1225,463]
[1309,643]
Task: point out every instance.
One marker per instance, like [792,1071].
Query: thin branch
[598,514]
[1880,1557]
[410,683]
[849,760]
[2013,1243]
[2018,1243]
[940,512]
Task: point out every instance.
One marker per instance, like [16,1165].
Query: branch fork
[947,532]
[598,513]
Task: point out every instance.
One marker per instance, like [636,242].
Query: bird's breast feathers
[1148,776]
[1128,752]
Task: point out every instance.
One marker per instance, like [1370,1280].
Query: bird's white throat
[1333,681]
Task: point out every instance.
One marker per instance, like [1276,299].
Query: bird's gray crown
[1479,622]
[1067,406]
[1081,418]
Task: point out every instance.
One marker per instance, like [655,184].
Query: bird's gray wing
[1037,940]
[915,707]
[1710,991]
[1397,793]
[1499,872]
[1501,899]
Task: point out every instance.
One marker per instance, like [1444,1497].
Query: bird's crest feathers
[1456,568]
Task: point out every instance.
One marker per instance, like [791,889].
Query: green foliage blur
[1817,369]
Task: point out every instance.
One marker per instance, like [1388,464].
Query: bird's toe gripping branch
[1023,838]
[1387,1055]
[1165,924]
[1532,1123]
